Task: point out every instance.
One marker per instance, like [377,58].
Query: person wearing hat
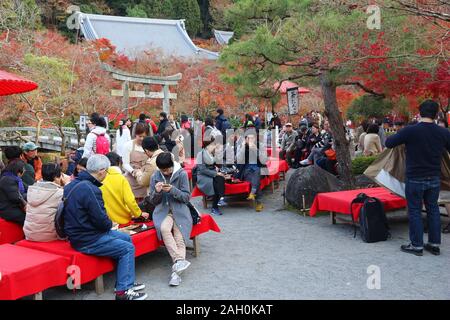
[288,143]
[31,157]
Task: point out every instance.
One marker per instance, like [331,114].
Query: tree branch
[363,87]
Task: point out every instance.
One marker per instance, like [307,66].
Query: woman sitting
[12,193]
[372,142]
[209,180]
[43,200]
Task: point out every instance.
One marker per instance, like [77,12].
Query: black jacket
[162,126]
[11,201]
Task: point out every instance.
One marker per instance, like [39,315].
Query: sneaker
[433,249]
[180,266]
[251,196]
[175,280]
[130,294]
[411,249]
[305,162]
[222,203]
[216,212]
[138,286]
[259,207]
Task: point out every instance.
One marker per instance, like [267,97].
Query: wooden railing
[49,139]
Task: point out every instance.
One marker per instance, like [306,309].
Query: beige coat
[372,144]
[144,174]
[43,200]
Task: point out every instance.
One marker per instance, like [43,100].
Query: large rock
[309,181]
[363,182]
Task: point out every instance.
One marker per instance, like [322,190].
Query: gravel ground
[279,254]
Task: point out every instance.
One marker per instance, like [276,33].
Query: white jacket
[89,146]
[43,200]
[121,140]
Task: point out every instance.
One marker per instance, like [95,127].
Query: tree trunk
[38,130]
[77,129]
[63,141]
[337,129]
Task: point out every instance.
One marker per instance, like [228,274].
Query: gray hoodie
[174,201]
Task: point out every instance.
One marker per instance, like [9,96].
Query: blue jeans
[252,174]
[118,246]
[418,192]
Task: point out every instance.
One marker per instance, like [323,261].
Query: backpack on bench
[372,219]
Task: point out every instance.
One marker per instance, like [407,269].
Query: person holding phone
[252,157]
[170,193]
[210,180]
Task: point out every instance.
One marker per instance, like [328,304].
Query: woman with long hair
[123,135]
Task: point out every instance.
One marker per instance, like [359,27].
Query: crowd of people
[141,176]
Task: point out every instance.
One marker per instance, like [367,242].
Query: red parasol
[12,84]
[287,85]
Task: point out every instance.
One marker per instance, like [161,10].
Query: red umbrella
[287,85]
[12,84]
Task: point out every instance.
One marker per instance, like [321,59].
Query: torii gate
[126,77]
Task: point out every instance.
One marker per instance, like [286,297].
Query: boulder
[308,181]
[363,182]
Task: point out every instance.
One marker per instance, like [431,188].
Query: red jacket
[153,125]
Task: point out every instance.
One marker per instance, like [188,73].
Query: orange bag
[331,154]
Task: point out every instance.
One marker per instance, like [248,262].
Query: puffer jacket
[43,200]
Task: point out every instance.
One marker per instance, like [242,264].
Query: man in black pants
[425,144]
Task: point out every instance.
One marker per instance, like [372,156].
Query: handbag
[196,218]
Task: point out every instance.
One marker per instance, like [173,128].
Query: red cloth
[340,201]
[148,241]
[90,266]
[25,272]
[189,163]
[271,154]
[189,173]
[230,189]
[207,224]
[10,232]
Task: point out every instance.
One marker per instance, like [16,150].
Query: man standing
[30,156]
[89,229]
[425,144]
[222,123]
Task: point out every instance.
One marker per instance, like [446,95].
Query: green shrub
[360,164]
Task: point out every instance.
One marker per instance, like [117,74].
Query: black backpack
[372,219]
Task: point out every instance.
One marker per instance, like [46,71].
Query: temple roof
[133,35]
[223,37]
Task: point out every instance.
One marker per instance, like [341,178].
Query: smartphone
[166,185]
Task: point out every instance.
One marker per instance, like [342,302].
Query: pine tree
[190,11]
